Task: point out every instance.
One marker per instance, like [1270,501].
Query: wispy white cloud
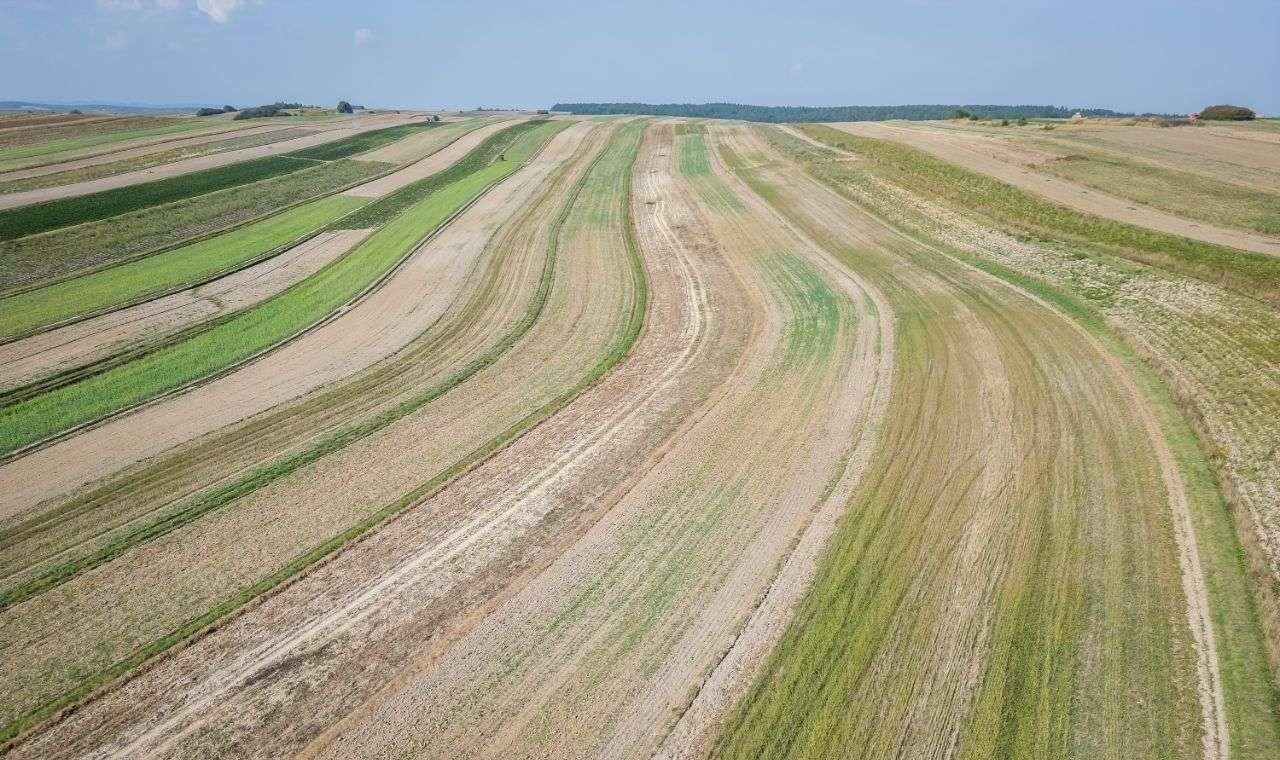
[364,36]
[219,10]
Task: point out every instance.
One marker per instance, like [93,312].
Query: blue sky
[1157,56]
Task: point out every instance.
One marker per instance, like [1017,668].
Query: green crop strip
[26,312]
[773,714]
[262,476]
[693,159]
[268,324]
[36,260]
[363,142]
[304,562]
[1252,274]
[11,157]
[484,155]
[64,212]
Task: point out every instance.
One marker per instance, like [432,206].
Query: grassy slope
[1252,704]
[1253,274]
[38,259]
[627,142]
[146,161]
[1184,193]
[23,313]
[270,322]
[63,212]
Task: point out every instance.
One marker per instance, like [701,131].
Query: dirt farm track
[522,436]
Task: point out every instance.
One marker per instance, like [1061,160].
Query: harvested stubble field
[652,438]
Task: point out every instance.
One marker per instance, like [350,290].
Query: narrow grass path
[430,203]
[1005,527]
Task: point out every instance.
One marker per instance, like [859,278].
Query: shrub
[436,117]
[1004,122]
[229,109]
[1022,122]
[344,107]
[209,112]
[1227,113]
[960,113]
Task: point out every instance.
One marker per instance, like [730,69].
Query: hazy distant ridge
[828,113]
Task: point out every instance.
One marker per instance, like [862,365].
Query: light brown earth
[598,653]
[186,166]
[380,324]
[47,353]
[1004,162]
[145,150]
[30,359]
[999,399]
[422,573]
[424,143]
[424,168]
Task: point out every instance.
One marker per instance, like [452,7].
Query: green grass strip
[64,212]
[16,155]
[303,562]
[1246,272]
[363,142]
[488,152]
[270,323]
[261,476]
[27,312]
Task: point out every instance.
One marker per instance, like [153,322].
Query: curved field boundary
[64,151]
[194,630]
[60,357]
[941,622]
[37,411]
[262,476]
[21,216]
[1163,332]
[12,335]
[1247,272]
[142,152]
[465,305]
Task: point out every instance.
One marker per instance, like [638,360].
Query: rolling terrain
[547,436]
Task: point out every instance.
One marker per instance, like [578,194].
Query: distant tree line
[215,111]
[779,114]
[274,109]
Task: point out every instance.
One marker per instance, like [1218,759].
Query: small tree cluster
[1227,113]
[344,107]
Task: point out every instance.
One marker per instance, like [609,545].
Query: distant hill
[87,105]
[826,113]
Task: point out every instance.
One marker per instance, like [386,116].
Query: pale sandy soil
[359,619]
[1001,160]
[156,587]
[382,323]
[426,167]
[145,150]
[422,144]
[77,344]
[186,166]
[40,355]
[999,400]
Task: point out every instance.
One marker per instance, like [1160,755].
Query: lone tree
[344,107]
[436,117]
[1227,113]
